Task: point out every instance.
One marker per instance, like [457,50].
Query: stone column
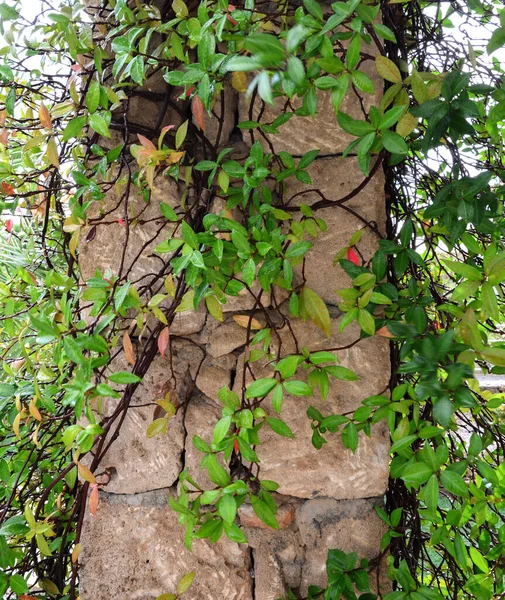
[134,548]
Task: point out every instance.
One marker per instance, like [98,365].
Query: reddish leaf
[146,143]
[8,225]
[7,188]
[163,340]
[235,446]
[198,112]
[190,91]
[3,116]
[121,221]
[128,348]
[384,332]
[91,234]
[352,256]
[93,499]
[230,8]
[4,137]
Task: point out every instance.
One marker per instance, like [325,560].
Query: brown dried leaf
[91,234]
[128,348]
[244,320]
[75,553]
[34,411]
[93,499]
[384,332]
[45,118]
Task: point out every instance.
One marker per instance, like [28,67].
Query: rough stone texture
[301,133]
[215,133]
[147,229]
[152,462]
[336,177]
[214,374]
[326,523]
[135,551]
[360,475]
[201,416]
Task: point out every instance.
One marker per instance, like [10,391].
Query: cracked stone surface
[134,550]
[336,177]
[148,228]
[302,133]
[134,462]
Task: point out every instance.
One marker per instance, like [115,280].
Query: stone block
[219,134]
[148,228]
[301,134]
[134,462]
[300,469]
[335,178]
[326,524]
[134,550]
[214,374]
[200,418]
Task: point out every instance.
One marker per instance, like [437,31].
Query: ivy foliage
[434,287]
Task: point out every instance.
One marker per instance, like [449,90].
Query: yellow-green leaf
[185,582]
[316,310]
[387,69]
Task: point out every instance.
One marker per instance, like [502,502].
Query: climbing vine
[74,163]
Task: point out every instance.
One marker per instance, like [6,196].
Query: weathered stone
[268,576]
[134,462]
[335,178]
[333,470]
[248,518]
[226,338]
[219,133]
[214,374]
[188,322]
[147,229]
[325,524]
[155,106]
[283,554]
[136,552]
[301,134]
[201,417]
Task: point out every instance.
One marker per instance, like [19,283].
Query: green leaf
[74,128]
[93,96]
[464,270]
[264,512]
[478,560]
[260,387]
[416,474]
[387,69]
[280,427]
[221,429]
[316,310]
[497,40]
[277,397]
[393,142]
[99,124]
[297,388]
[350,436]
[454,483]
[189,236]
[156,427]
[227,508]
[123,377]
[73,351]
